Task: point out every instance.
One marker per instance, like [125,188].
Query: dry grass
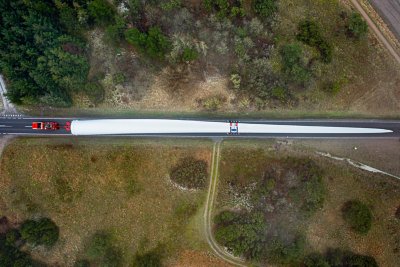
[90,185]
[247,161]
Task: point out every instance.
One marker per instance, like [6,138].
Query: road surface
[22,126]
[389,10]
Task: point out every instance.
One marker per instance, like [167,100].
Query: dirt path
[217,249]
[377,31]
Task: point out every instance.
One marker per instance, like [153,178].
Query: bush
[310,34]
[149,259]
[95,92]
[265,8]
[357,27]
[242,233]
[153,43]
[190,173]
[315,260]
[293,64]
[358,216]
[337,257]
[41,232]
[101,11]
[225,8]
[101,250]
[284,252]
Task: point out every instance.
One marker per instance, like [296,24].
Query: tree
[242,233]
[100,249]
[265,8]
[310,34]
[357,27]
[153,43]
[293,65]
[40,232]
[149,259]
[102,12]
[358,216]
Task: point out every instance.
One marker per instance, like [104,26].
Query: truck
[45,125]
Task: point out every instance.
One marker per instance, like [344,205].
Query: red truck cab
[48,125]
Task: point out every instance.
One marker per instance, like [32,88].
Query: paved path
[389,10]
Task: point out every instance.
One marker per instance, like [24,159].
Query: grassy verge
[277,114]
[91,186]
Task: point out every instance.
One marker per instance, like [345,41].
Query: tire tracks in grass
[208,212]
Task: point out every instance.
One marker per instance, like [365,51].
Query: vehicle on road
[45,125]
[233,127]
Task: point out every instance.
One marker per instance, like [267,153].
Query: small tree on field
[358,216]
[357,27]
[41,232]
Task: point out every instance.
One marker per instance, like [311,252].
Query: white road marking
[5,126]
[356,164]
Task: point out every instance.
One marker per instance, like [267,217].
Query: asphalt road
[22,126]
[389,10]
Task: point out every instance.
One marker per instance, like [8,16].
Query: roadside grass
[119,187]
[246,163]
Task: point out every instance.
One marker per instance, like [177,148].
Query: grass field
[245,163]
[120,187]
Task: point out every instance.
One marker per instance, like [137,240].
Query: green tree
[293,64]
[310,33]
[358,216]
[357,27]
[153,43]
[40,232]
[101,250]
[243,233]
[265,8]
[102,12]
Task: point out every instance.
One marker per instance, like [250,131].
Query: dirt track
[390,12]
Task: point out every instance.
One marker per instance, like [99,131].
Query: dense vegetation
[39,232]
[42,60]
[358,216]
[190,173]
[338,257]
[263,232]
[44,51]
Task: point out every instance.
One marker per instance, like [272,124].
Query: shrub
[213,103]
[189,54]
[293,64]
[119,78]
[101,11]
[337,257]
[284,252]
[95,92]
[265,8]
[101,250]
[310,34]
[357,27]
[150,259]
[190,173]
[153,43]
[242,233]
[115,32]
[315,260]
[41,232]
[225,8]
[358,216]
